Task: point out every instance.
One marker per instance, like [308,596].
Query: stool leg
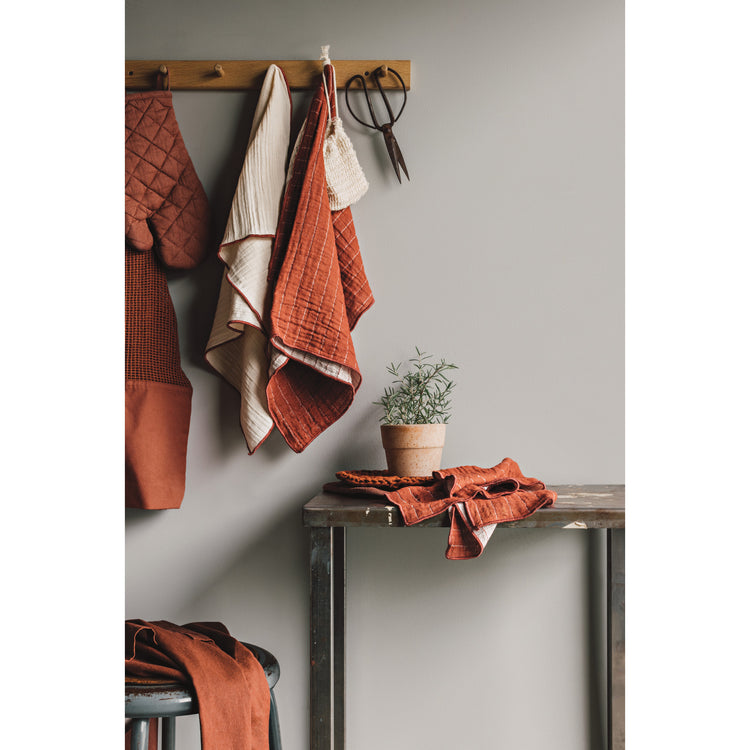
[274,733]
[168,729]
[139,735]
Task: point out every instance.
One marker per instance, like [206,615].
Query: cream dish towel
[236,348]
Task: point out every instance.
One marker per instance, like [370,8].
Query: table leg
[338,636]
[327,611]
[616,638]
[321,599]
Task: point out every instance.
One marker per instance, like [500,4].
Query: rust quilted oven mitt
[166,208]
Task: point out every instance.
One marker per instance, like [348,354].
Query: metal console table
[328,516]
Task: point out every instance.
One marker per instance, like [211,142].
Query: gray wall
[504,254]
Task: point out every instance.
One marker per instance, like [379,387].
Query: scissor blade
[390,144]
[400,157]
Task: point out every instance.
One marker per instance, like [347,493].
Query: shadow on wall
[202,284]
[361,448]
[265,583]
[257,595]
[136,516]
[507,573]
[220,192]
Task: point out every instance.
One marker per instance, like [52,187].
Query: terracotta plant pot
[413,450]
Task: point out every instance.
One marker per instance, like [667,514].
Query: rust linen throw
[167,222]
[233,695]
[476,499]
[318,292]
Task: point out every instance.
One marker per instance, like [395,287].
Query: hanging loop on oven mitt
[346,182]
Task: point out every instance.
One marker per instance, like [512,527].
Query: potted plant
[416,408]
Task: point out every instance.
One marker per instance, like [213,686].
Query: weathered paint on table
[600,506]
[329,514]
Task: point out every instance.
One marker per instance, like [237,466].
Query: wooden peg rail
[241,75]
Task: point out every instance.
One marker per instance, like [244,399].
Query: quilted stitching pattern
[166,211]
[166,208]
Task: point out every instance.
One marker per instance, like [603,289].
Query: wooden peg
[163,69]
[219,70]
[383,71]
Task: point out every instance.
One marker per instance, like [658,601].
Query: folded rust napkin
[229,682]
[476,499]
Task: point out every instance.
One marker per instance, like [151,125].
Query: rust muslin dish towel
[477,500]
[233,695]
[318,291]
[166,226]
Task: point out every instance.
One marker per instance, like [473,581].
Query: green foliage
[420,396]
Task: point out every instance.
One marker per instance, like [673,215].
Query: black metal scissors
[386,128]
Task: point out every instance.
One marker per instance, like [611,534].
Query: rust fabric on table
[318,291]
[166,226]
[232,691]
[476,498]
[381,479]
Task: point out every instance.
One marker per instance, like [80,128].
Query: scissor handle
[382,93]
[376,125]
[359,77]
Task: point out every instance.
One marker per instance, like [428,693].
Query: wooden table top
[591,506]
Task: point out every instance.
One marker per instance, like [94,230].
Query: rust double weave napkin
[233,695]
[317,292]
[477,500]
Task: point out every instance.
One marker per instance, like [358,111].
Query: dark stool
[153,699]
